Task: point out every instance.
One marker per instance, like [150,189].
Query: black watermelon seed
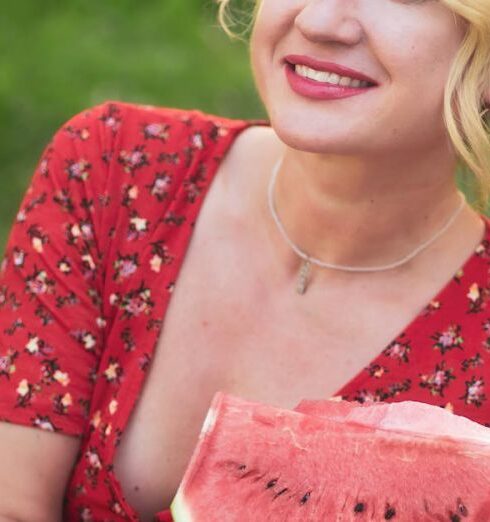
[454,518]
[280,492]
[462,509]
[359,507]
[242,466]
[271,483]
[305,498]
[390,513]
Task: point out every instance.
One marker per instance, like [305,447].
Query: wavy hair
[466,117]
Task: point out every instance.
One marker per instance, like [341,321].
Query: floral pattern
[91,264]
[449,339]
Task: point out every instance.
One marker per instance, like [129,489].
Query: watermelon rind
[179,509]
[209,421]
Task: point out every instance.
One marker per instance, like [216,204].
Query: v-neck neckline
[443,295]
[216,157]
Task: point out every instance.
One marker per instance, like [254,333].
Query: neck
[364,212]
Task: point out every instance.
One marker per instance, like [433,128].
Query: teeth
[326,77]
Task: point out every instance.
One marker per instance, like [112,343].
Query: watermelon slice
[405,462]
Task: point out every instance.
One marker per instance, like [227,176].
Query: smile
[328,77]
[323,84]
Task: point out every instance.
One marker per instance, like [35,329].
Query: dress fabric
[90,265]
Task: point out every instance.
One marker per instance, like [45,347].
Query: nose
[330,21]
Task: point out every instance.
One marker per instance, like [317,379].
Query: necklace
[308,260]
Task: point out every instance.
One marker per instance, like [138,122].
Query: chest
[223,332]
[232,325]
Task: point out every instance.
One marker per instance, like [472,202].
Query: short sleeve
[52,276]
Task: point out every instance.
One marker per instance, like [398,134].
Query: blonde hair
[466,118]
[227,20]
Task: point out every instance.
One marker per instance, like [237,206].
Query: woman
[160,255]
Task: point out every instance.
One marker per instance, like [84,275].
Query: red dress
[90,265]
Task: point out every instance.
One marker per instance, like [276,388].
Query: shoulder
[104,145]
[149,122]
[138,136]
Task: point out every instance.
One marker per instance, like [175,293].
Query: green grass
[61,57]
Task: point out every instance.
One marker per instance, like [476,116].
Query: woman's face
[405,46]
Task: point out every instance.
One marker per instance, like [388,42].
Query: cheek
[261,48]
[420,63]
[422,47]
[273,22]
[255,51]
[273,28]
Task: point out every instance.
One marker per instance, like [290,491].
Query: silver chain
[312,260]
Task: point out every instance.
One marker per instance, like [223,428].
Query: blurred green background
[61,56]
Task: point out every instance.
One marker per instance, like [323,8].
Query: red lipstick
[323,90]
[320,65]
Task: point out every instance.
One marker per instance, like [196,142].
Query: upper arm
[51,316]
[58,292]
[51,283]
[34,470]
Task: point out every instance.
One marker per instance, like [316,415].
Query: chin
[316,138]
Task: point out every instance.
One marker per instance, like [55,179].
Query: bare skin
[235,324]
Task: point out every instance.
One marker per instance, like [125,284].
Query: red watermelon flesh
[255,462]
[331,408]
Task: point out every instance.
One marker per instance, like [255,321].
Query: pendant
[304,272]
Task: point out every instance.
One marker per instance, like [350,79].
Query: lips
[319,65]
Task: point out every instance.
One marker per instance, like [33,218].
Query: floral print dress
[90,265]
